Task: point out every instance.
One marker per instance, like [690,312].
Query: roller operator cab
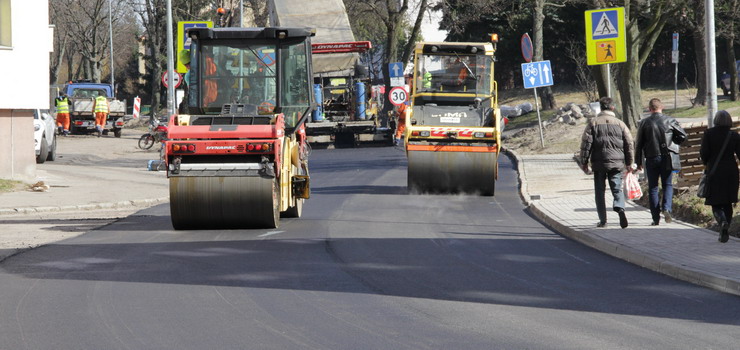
[453,128]
[239,158]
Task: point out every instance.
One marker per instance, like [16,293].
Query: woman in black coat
[723,184]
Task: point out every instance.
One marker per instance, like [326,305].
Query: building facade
[25,43]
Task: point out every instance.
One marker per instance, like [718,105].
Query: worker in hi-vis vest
[62,108]
[100,109]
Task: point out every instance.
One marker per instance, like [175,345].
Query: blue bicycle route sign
[537,74]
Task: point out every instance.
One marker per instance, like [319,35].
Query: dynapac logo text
[220,147]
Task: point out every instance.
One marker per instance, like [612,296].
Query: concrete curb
[621,251]
[85,207]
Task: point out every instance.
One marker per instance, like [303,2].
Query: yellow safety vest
[427,82]
[101,104]
[62,105]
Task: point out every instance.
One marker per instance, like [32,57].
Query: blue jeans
[655,169]
[614,176]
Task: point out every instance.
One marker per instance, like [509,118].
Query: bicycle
[157,133]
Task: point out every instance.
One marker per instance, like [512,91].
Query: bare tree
[727,17]
[547,99]
[153,16]
[644,22]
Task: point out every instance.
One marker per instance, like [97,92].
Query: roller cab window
[454,73]
[233,73]
[296,94]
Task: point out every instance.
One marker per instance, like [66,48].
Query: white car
[45,141]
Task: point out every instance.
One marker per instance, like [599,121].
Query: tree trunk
[700,49]
[732,67]
[598,72]
[414,33]
[630,95]
[547,99]
[57,66]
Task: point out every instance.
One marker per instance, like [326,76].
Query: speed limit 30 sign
[398,95]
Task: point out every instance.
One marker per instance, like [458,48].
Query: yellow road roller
[238,158]
[453,127]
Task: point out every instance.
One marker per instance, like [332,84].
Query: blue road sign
[537,74]
[395,69]
[604,24]
[185,26]
[675,42]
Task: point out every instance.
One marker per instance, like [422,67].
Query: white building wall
[24,71]
[24,67]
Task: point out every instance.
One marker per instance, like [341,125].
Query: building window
[5,33]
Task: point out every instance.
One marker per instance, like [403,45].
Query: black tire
[146,141]
[295,211]
[117,133]
[44,151]
[52,151]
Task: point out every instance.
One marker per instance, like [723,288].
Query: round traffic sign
[177,78]
[267,56]
[398,95]
[527,49]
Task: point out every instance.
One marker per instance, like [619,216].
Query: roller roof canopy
[249,33]
[329,18]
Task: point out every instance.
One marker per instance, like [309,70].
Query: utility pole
[711,63]
[110,32]
[170,63]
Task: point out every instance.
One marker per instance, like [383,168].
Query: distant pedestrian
[100,110]
[62,108]
[723,184]
[607,143]
[658,137]
[400,125]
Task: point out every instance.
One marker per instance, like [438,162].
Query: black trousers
[722,212]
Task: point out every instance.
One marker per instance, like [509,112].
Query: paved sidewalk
[90,174]
[561,195]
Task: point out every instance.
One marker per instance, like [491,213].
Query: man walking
[100,110]
[607,143]
[658,137]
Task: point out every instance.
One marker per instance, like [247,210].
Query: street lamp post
[711,63]
[110,33]
[170,63]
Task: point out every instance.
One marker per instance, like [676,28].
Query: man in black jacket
[607,143]
[658,137]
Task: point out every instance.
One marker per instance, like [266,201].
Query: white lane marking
[270,233]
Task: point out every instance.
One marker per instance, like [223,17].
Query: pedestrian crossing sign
[605,36]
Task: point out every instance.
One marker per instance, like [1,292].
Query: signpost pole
[674,58]
[539,120]
[608,80]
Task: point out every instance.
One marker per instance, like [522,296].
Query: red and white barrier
[137,106]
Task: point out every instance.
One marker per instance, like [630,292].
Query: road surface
[367,267]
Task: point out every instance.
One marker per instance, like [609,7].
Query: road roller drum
[452,172]
[224,202]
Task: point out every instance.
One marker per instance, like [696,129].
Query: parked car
[45,141]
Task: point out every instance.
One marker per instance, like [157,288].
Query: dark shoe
[100,133]
[724,234]
[622,218]
[668,217]
[654,223]
[601,224]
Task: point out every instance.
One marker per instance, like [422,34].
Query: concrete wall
[17,157]
[25,73]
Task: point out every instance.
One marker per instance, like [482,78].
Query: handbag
[703,190]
